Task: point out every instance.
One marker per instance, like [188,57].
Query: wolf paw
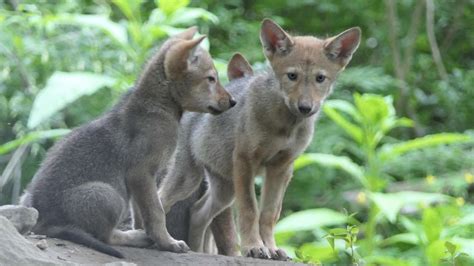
[278,254]
[176,246]
[257,252]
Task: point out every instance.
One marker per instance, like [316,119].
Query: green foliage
[65,62]
[65,88]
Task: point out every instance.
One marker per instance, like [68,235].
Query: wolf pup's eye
[211,79]
[320,78]
[292,76]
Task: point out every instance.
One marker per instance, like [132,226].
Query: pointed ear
[238,67]
[274,39]
[180,55]
[187,34]
[341,47]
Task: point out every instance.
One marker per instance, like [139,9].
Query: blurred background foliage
[388,178]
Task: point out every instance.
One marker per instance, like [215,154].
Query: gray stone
[42,244]
[16,250]
[23,218]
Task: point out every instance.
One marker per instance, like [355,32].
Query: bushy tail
[79,236]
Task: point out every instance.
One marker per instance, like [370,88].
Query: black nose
[232,102]
[304,109]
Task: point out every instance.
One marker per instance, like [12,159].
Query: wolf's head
[192,67]
[306,67]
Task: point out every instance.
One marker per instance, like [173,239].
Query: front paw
[260,252]
[278,254]
[176,246]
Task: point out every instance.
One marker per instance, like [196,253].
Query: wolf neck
[154,92]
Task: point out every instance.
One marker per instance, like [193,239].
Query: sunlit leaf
[170,6]
[189,16]
[351,129]
[435,252]
[390,204]
[390,151]
[432,224]
[328,160]
[114,30]
[408,238]
[309,220]
[32,137]
[62,89]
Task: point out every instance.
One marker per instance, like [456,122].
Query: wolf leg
[225,234]
[276,180]
[218,197]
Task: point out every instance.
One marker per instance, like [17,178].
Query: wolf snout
[307,109]
[304,109]
[232,102]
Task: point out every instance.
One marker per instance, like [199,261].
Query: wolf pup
[83,187]
[178,217]
[264,133]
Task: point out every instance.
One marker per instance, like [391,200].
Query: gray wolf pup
[271,125]
[83,187]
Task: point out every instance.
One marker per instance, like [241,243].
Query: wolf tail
[80,236]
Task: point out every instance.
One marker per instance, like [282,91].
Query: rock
[42,244]
[120,263]
[16,250]
[75,253]
[23,218]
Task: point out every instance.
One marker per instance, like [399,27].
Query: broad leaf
[310,220]
[32,137]
[170,6]
[114,30]
[432,224]
[390,151]
[62,89]
[353,130]
[328,160]
[390,204]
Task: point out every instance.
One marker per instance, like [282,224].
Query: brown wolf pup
[271,125]
[83,187]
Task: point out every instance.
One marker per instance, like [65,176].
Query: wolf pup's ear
[341,47]
[238,67]
[180,55]
[187,34]
[274,39]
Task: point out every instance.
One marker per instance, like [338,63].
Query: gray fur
[83,187]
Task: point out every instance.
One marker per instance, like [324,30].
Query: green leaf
[309,220]
[170,6]
[114,30]
[32,137]
[354,230]
[390,151]
[62,89]
[130,8]
[328,160]
[330,241]
[450,247]
[432,224]
[351,129]
[317,252]
[435,252]
[408,238]
[189,16]
[390,204]
[338,231]
[374,109]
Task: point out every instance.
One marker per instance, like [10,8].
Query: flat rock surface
[73,253]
